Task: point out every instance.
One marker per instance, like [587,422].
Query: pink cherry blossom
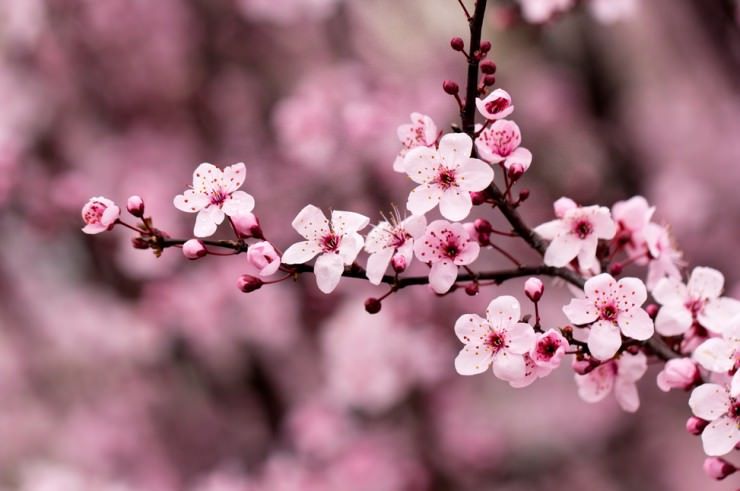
[336,242]
[392,241]
[577,234]
[539,11]
[497,105]
[194,249]
[618,375]
[99,214]
[549,349]
[563,205]
[446,246]
[632,217]
[610,11]
[215,194]
[446,176]
[612,308]
[720,406]
[500,340]
[499,144]
[421,132]
[678,373]
[721,354]
[263,259]
[699,300]
[665,259]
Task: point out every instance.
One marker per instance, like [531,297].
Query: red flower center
[497,105]
[330,242]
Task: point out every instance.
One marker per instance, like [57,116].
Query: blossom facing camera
[194,249]
[392,241]
[445,246]
[421,132]
[214,195]
[720,406]
[499,144]
[99,214]
[497,105]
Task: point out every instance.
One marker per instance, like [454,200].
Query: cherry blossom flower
[721,354]
[392,240]
[720,406]
[499,144]
[215,194]
[610,11]
[99,214]
[576,234]
[336,242]
[446,176]
[618,375]
[539,11]
[699,300]
[446,246]
[678,373]
[500,340]
[611,307]
[665,258]
[633,216]
[496,105]
[263,259]
[544,357]
[421,132]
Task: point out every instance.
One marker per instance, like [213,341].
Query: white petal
[234,177]
[455,204]
[415,225]
[562,250]
[597,384]
[472,360]
[311,223]
[442,276]
[472,329]
[423,198]
[587,255]
[550,230]
[207,178]
[672,320]
[190,201]
[604,226]
[238,203]
[718,314]
[503,312]
[378,238]
[630,293]
[709,401]
[604,340]
[520,156]
[670,291]
[520,338]
[720,437]
[509,366]
[300,252]
[705,283]
[421,164]
[581,311]
[454,148]
[377,263]
[632,367]
[207,221]
[716,355]
[350,247]
[636,324]
[328,271]
[735,385]
[474,175]
[346,222]
[626,395]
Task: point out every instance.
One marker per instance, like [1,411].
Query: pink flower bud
[718,468]
[472,289]
[135,206]
[615,269]
[139,243]
[678,373]
[399,263]
[478,197]
[489,80]
[652,310]
[373,305]
[488,67]
[263,257]
[485,46]
[247,225]
[248,283]
[515,171]
[457,43]
[562,206]
[482,226]
[99,215]
[194,249]
[450,87]
[482,238]
[696,425]
[534,288]
[523,195]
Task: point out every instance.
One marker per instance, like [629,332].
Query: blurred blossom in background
[120,371]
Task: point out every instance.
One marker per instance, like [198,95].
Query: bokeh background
[120,371]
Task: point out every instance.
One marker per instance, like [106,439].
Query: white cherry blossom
[421,132]
[389,240]
[721,354]
[618,375]
[721,406]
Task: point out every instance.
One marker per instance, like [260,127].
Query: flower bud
[678,373]
[135,206]
[652,310]
[373,305]
[451,87]
[478,197]
[248,283]
[457,43]
[194,249]
[696,425]
[99,215]
[489,80]
[534,288]
[718,468]
[482,226]
[515,172]
[615,269]
[472,289]
[247,225]
[485,46]
[562,206]
[488,67]
[399,263]
[523,195]
[263,258]
[139,243]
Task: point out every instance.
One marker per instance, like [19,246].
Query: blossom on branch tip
[611,308]
[500,340]
[421,132]
[135,206]
[496,105]
[214,195]
[499,144]
[392,241]
[576,234]
[99,214]
[678,373]
[721,407]
[446,177]
[336,242]
[263,259]
[721,354]
[446,246]
[194,249]
[698,300]
[618,375]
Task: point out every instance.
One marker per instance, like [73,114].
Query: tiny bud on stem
[373,305]
[135,206]
[248,283]
[488,67]
[457,43]
[451,87]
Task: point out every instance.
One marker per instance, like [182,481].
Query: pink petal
[600,288]
[472,329]
[563,205]
[587,255]
[301,252]
[604,226]
[423,198]
[474,175]
[720,437]
[508,366]
[632,367]
[597,384]
[455,148]
[716,355]
[415,225]
[562,250]
[442,276]
[630,293]
[207,221]
[503,312]
[455,204]
[581,311]
[346,222]
[350,246]
[234,177]
[421,164]
[636,324]
[520,156]
[520,338]
[604,340]
[473,359]
[626,395]
[311,223]
[190,201]
[670,291]
[709,401]
[469,253]
[379,238]
[705,283]
[719,313]
[672,321]
[238,203]
[550,230]
[207,178]
[377,263]
[328,271]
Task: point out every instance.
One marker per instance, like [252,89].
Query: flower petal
[455,148]
[421,164]
[377,263]
[709,401]
[672,320]
[207,178]
[328,271]
[473,359]
[472,329]
[347,222]
[670,291]
[597,384]
[632,367]
[415,225]
[550,230]
[455,204]
[350,246]
[520,338]
[423,198]
[604,340]
[720,437]
[238,203]
[474,175]
[626,394]
[207,221]
[442,276]
[509,366]
[636,324]
[190,201]
[716,355]
[718,314]
[301,252]
[581,311]
[562,250]
[311,223]
[705,283]
[503,312]
[234,177]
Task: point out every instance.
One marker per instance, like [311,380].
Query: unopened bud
[485,46]
[615,269]
[696,425]
[451,87]
[515,172]
[488,67]
[248,283]
[678,373]
[489,80]
[194,249]
[652,310]
[247,225]
[482,226]
[135,206]
[478,197]
[523,195]
[399,263]
[139,243]
[457,43]
[373,305]
[534,288]
[472,289]
[718,468]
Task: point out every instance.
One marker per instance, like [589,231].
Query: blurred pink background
[120,371]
